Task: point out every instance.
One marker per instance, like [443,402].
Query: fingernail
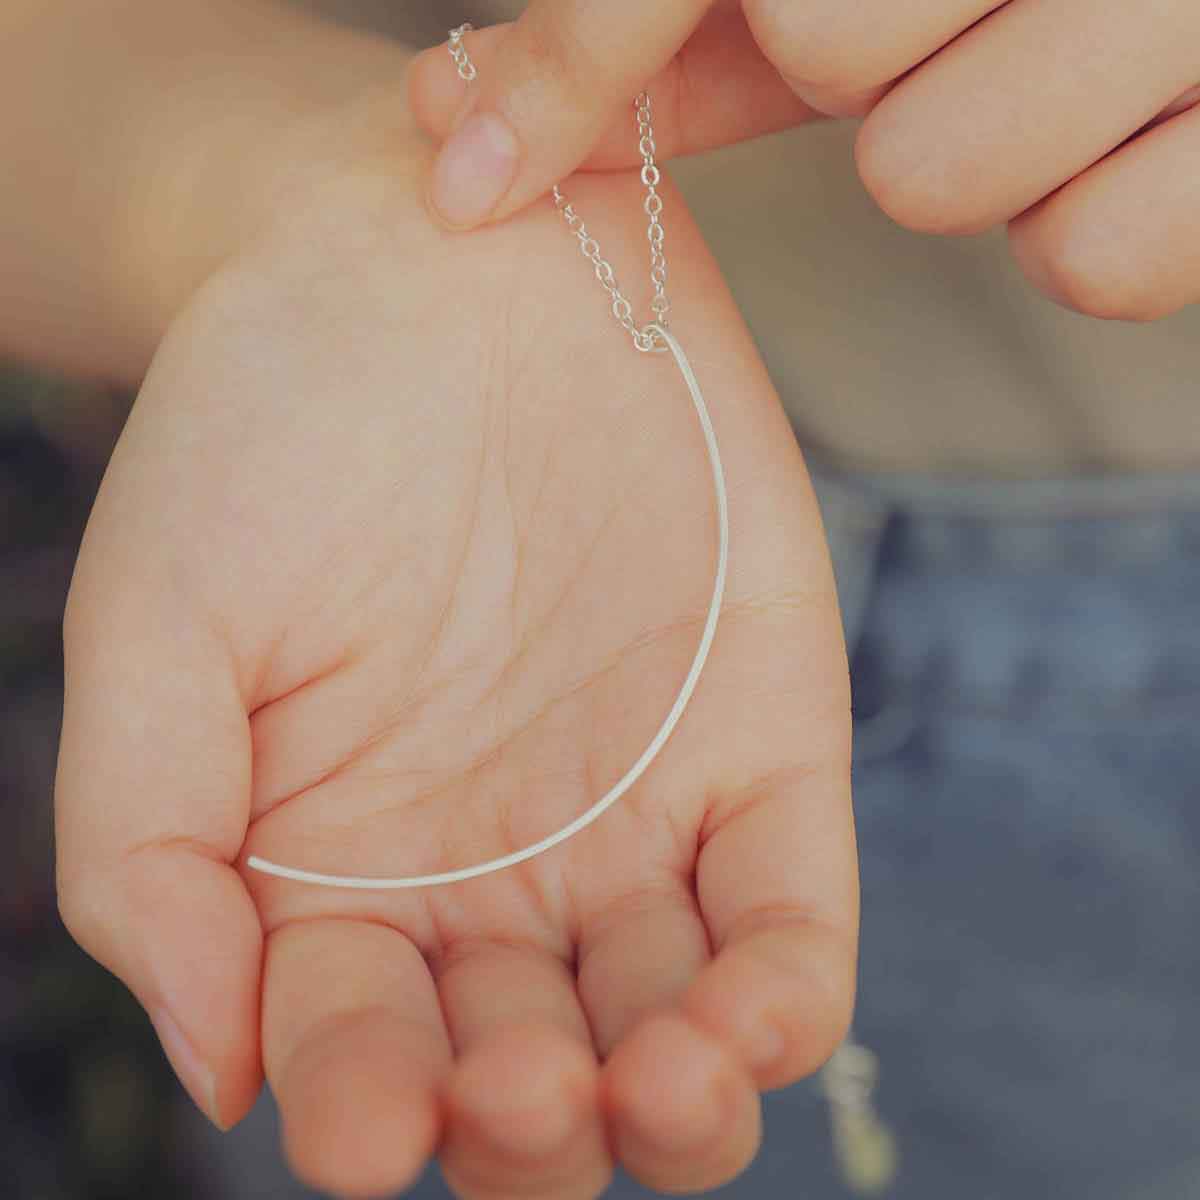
[188,1065]
[473,170]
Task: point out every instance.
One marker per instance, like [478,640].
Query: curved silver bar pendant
[648,755]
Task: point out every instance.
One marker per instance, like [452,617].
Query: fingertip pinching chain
[654,337]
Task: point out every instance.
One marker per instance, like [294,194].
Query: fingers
[355,1048]
[561,74]
[524,1119]
[716,90]
[682,1113]
[1123,239]
[637,954]
[841,57]
[777,883]
[1021,103]
[522,1107]
[151,807]
[687,1117]
[487,986]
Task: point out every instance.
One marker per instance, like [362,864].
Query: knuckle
[1081,274]
[812,45]
[925,189]
[840,104]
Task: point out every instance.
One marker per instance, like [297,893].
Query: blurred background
[89,1108]
[85,1099]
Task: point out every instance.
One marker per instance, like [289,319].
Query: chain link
[644,338]
[458,52]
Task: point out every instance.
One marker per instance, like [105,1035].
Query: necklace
[654,338]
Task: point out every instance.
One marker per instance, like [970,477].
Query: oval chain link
[644,338]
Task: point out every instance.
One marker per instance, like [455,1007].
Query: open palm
[399,565]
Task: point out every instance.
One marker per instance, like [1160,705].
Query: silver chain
[458,52]
[644,338]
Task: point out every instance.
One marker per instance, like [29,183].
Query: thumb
[151,806]
[552,84]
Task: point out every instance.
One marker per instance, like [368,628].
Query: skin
[399,562]
[402,554]
[1071,122]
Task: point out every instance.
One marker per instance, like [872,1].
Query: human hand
[401,559]
[1071,121]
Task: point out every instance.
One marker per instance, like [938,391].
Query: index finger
[557,79]
[554,89]
[716,90]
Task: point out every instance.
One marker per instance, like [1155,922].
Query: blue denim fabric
[1026,677]
[1026,674]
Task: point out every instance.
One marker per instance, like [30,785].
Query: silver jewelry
[652,337]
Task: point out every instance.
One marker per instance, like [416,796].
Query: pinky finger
[1122,240]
